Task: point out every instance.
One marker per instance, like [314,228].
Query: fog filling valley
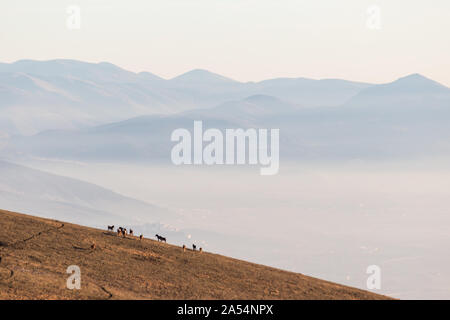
[327,221]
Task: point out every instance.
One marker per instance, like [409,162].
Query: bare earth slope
[36,252]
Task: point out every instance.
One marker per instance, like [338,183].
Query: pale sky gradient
[247,40]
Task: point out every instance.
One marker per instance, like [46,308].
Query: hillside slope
[36,252]
[53,196]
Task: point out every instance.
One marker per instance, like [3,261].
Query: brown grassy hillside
[36,252]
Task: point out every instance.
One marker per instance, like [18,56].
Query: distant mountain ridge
[201,75]
[112,115]
[413,90]
[60,94]
[402,120]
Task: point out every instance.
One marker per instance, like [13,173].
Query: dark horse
[162,239]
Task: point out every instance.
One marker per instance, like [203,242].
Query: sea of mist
[329,221]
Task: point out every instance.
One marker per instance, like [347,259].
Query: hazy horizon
[244,40]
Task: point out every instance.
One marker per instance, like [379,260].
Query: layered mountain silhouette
[348,132]
[102,112]
[66,94]
[411,91]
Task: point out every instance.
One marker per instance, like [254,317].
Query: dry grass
[36,252]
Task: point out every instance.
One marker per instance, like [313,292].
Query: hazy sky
[242,39]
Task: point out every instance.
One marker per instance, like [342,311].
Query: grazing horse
[162,239]
[111,228]
[121,232]
[194,247]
